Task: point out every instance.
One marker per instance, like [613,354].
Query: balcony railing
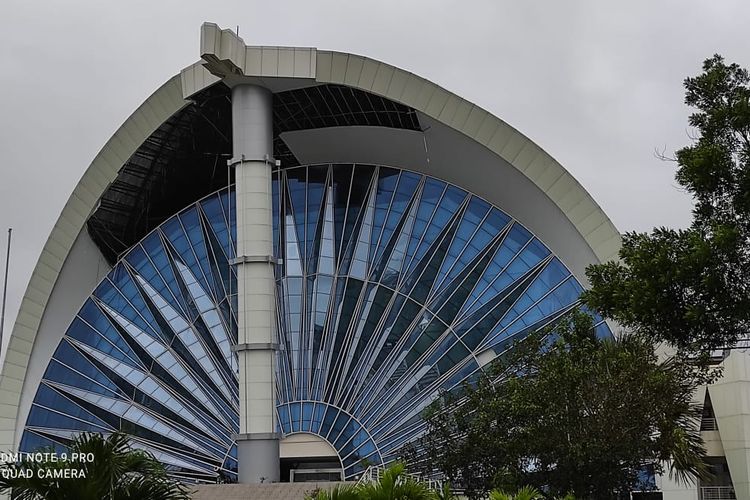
[709,424]
[307,475]
[717,493]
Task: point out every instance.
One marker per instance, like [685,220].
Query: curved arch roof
[224,55]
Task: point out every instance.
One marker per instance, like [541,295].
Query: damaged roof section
[185,158]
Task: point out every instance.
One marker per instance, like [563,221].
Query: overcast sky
[598,84]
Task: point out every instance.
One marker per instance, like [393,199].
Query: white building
[282,256]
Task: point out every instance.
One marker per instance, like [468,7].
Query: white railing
[709,424]
[298,475]
[717,493]
[374,472]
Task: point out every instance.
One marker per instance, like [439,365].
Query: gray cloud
[595,83]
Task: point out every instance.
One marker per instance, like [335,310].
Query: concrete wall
[82,271]
[730,398]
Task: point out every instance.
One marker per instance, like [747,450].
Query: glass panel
[387,281]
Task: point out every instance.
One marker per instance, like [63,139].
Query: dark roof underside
[185,158]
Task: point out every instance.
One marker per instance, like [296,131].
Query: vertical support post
[252,135]
[5,290]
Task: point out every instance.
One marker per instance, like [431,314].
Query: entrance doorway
[308,457]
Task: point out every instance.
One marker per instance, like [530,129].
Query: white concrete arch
[278,68]
[23,367]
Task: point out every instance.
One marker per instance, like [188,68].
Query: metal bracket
[256,436]
[246,259]
[257,346]
[268,160]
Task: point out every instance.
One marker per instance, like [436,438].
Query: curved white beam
[227,56]
[162,104]
[277,68]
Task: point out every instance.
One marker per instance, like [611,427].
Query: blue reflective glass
[330,416]
[33,441]
[296,416]
[603,332]
[56,372]
[367,449]
[193,228]
[283,412]
[157,254]
[347,433]
[43,418]
[307,413]
[317,418]
[212,209]
[338,425]
[50,398]
[377,267]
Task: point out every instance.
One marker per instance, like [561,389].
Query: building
[725,429]
[281,258]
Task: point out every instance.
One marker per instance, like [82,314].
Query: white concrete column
[673,490]
[252,135]
[730,398]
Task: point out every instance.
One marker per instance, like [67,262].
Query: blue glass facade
[392,286]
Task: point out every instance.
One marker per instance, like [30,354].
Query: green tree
[691,287]
[566,412]
[525,493]
[585,416]
[335,493]
[117,472]
[393,484]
